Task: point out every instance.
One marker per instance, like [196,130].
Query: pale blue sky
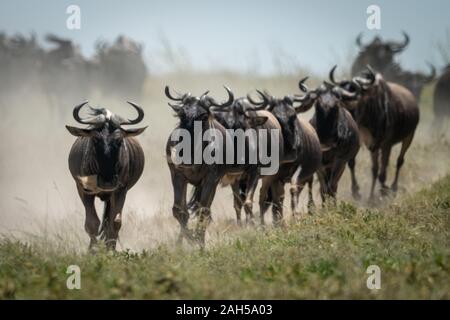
[235,34]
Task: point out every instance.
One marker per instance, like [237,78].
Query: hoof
[250,222]
[356,195]
[385,192]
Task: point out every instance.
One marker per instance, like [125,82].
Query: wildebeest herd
[377,107]
[61,71]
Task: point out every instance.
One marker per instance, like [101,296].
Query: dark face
[327,106]
[286,115]
[379,54]
[107,143]
[190,111]
[240,115]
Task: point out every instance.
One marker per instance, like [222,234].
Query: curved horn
[260,105]
[368,79]
[358,40]
[138,118]
[331,75]
[227,103]
[168,95]
[76,115]
[347,94]
[400,47]
[302,86]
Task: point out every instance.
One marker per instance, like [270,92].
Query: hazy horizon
[241,36]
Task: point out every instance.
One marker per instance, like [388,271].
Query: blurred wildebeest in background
[20,64]
[64,75]
[121,67]
[441,104]
[381,56]
[105,161]
[337,132]
[386,113]
[300,159]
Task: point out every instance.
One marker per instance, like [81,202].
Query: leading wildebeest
[337,131]
[386,113]
[105,161]
[301,157]
[441,104]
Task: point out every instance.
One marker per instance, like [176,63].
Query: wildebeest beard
[290,129]
[108,147]
[327,115]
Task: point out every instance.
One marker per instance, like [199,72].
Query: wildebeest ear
[134,131]
[79,132]
[255,121]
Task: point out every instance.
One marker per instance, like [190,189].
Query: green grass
[323,256]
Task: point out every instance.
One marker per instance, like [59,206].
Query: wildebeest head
[189,108]
[284,111]
[106,142]
[328,99]
[379,53]
[240,115]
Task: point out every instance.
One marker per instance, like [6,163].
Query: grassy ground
[322,256]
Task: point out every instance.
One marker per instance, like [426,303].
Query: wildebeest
[194,111]
[120,66]
[105,161]
[386,113]
[337,132]
[245,123]
[244,177]
[65,73]
[301,157]
[380,55]
[441,104]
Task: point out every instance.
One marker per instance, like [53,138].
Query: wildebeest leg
[322,174]
[238,201]
[335,175]
[374,157]
[113,218]
[311,204]
[277,206]
[295,191]
[385,154]
[92,222]
[401,159]
[264,201]
[179,208]
[204,213]
[252,183]
[355,186]
[298,181]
